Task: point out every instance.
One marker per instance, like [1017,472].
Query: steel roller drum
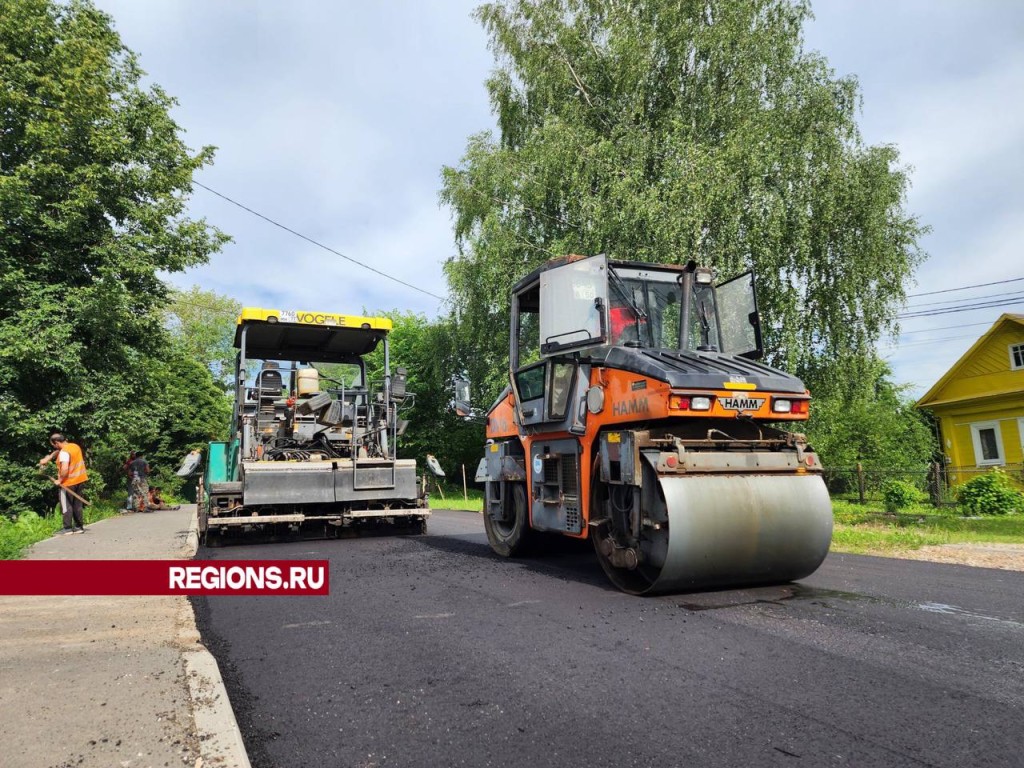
[727,530]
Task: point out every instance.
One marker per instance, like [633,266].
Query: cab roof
[315,337]
[561,261]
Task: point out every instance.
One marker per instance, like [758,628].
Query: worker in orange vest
[71,475]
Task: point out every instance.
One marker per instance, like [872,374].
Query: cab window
[560,389]
[530,382]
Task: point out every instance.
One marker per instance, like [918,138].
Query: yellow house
[979,403]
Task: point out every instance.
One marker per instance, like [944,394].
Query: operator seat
[269,388]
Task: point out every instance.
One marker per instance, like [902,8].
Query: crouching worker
[156,500]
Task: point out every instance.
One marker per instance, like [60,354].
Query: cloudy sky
[335,118]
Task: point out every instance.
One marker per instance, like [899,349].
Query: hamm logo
[631,407]
[741,403]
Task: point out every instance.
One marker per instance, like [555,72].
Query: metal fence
[938,481]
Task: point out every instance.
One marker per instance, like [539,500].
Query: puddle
[735,598]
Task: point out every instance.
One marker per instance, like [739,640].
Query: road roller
[638,415]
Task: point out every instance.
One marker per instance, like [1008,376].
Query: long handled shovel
[65,489]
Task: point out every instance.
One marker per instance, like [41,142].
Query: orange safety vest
[76,466]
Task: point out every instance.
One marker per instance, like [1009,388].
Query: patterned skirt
[140,494]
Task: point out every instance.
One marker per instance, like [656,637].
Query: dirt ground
[1009,557]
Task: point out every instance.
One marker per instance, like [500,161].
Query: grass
[858,528]
[454,499]
[867,528]
[18,535]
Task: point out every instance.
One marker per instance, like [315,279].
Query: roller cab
[638,415]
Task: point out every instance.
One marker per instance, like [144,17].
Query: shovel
[42,474]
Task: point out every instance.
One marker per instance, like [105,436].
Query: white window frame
[976,428]
[1013,363]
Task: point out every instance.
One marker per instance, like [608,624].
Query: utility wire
[951,310]
[965,287]
[942,328]
[909,315]
[919,342]
[316,243]
[969,298]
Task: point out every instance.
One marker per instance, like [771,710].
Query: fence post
[465,489]
[934,484]
[860,482]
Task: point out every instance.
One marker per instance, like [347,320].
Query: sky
[335,119]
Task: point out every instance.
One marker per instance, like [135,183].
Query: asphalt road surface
[432,651]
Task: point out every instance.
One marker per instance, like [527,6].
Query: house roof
[930,397]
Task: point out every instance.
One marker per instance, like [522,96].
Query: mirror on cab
[398,383]
[463,408]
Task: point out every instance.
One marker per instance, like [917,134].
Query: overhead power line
[953,302]
[965,287]
[942,328]
[920,342]
[951,310]
[316,242]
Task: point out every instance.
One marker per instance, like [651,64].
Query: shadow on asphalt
[242,701]
[559,557]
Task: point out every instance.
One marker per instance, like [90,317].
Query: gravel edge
[220,739]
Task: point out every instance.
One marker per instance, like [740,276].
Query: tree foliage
[862,417]
[428,351]
[94,178]
[667,131]
[204,323]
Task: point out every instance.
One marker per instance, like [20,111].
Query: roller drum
[727,530]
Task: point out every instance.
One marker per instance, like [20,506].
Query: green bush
[990,494]
[899,494]
[16,535]
[19,533]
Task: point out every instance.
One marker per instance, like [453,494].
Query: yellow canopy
[273,334]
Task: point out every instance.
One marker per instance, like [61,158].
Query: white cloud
[267,265]
[335,119]
[940,79]
[951,130]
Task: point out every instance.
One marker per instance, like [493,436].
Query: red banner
[164,577]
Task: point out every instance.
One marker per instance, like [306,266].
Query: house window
[988,444]
[1016,356]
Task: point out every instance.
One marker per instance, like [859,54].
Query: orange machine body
[631,399]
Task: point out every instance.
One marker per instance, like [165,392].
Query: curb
[192,538]
[220,740]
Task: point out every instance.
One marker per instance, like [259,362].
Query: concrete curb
[220,740]
[192,539]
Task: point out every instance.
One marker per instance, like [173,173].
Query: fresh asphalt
[432,651]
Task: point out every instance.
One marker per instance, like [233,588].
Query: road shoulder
[101,681]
